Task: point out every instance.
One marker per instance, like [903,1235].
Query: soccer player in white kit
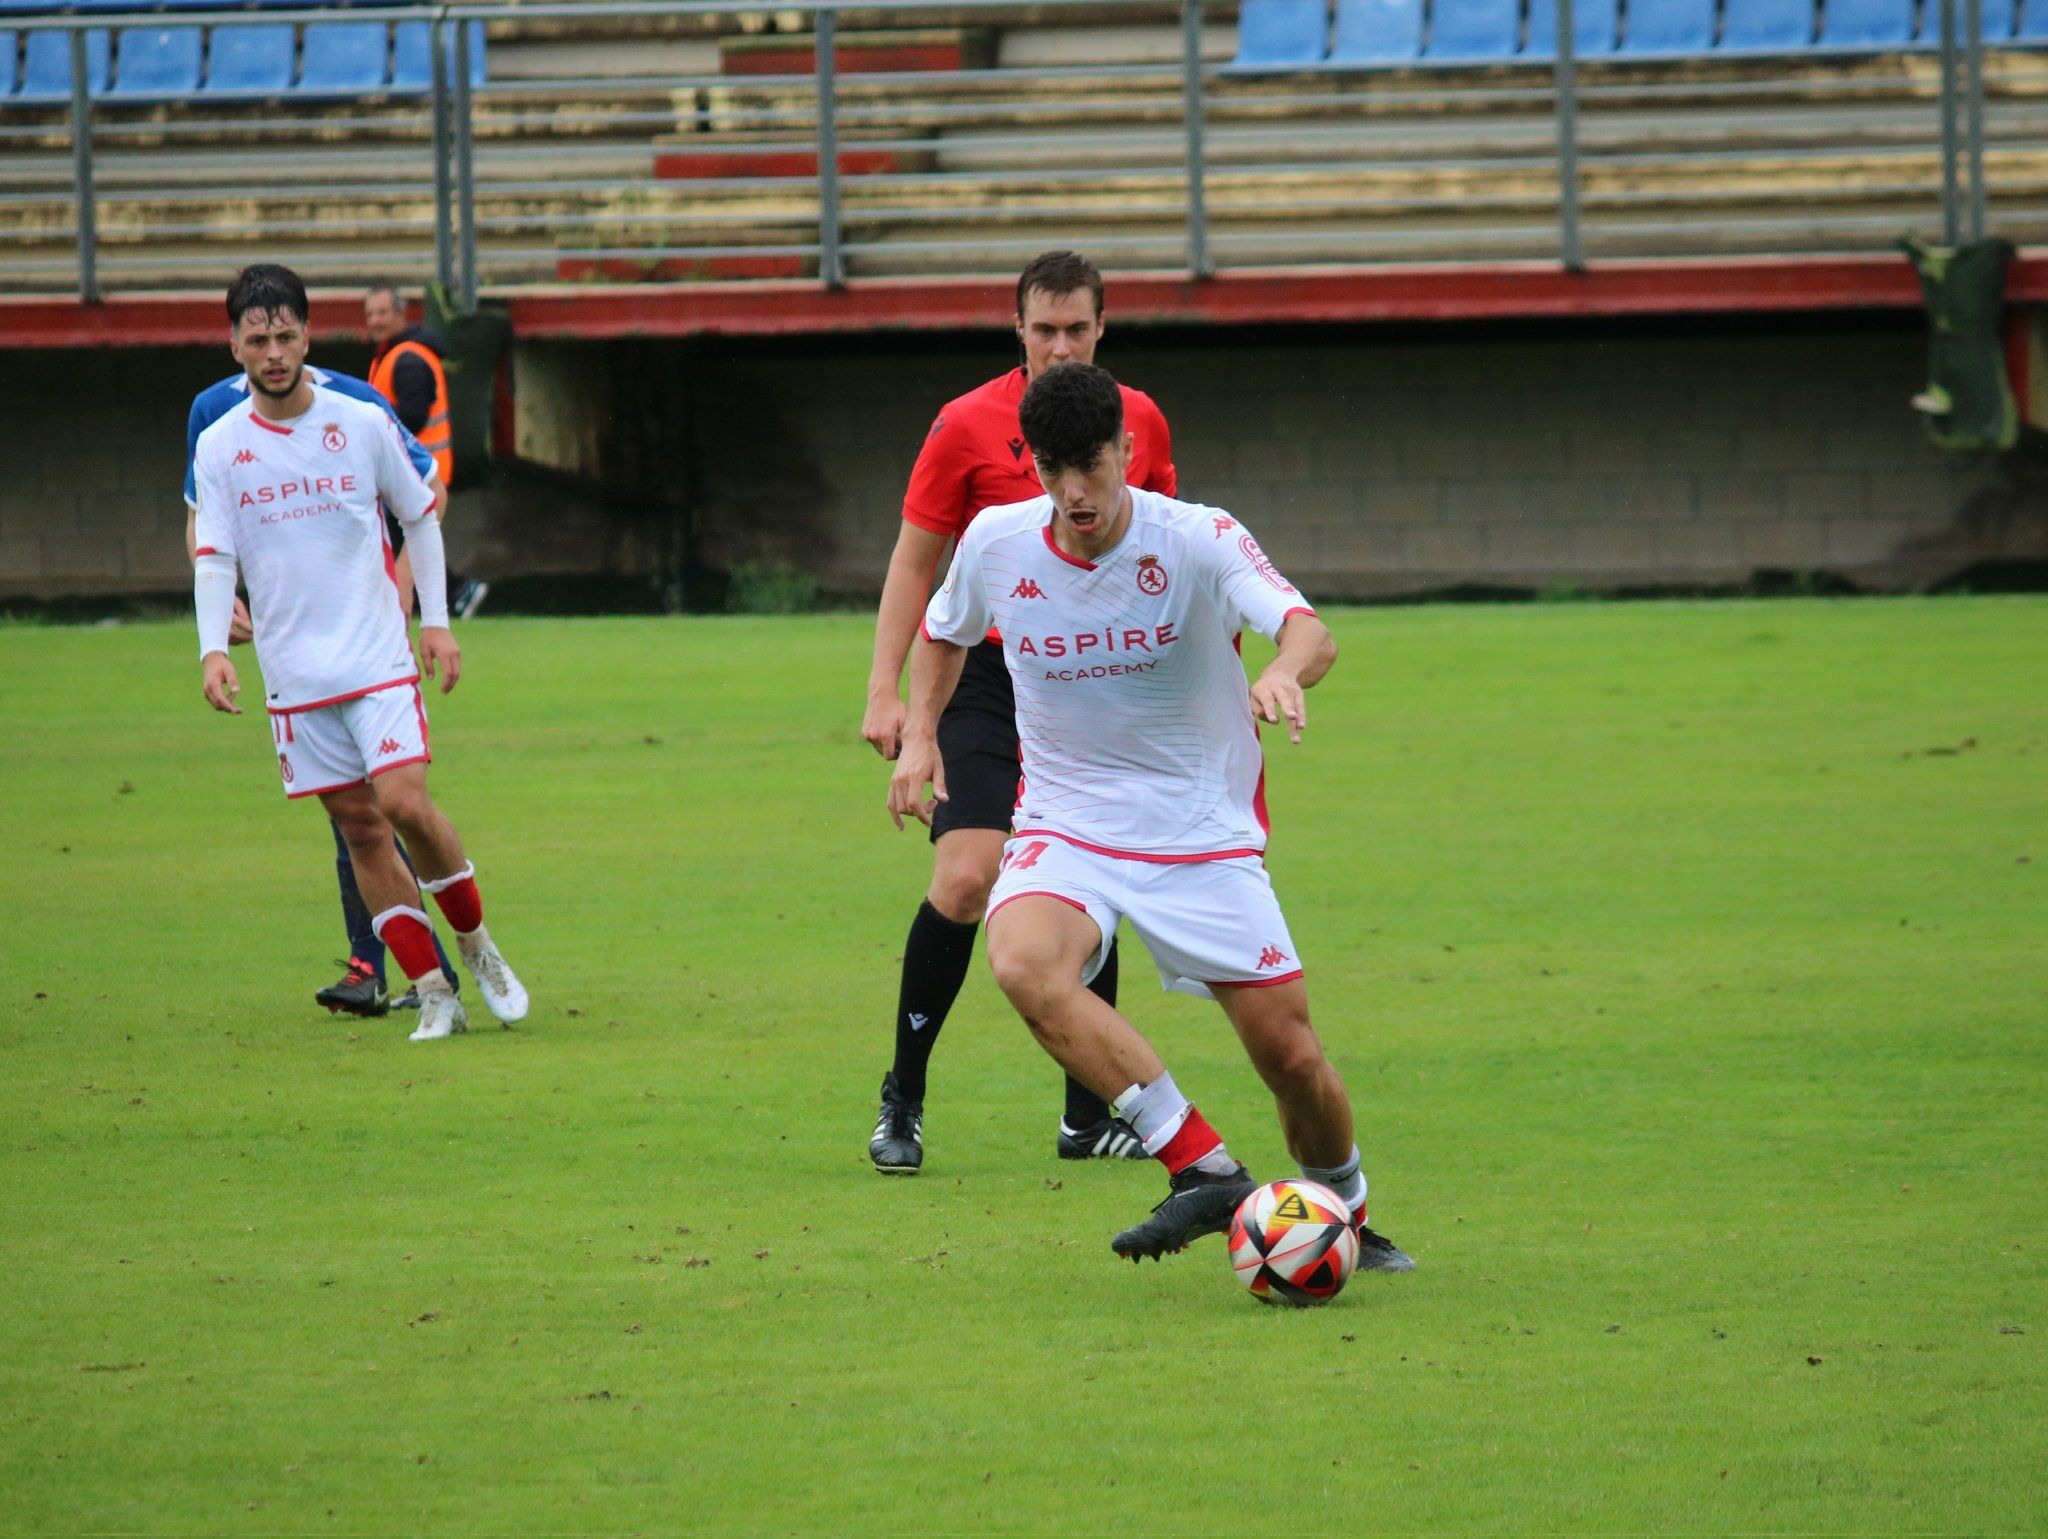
[292,484]
[1144,792]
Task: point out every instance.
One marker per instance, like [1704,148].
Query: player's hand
[1277,697]
[883,724]
[918,765]
[437,647]
[220,684]
[241,628]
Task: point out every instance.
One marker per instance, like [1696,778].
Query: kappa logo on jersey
[245,457]
[1224,523]
[284,768]
[1151,576]
[390,745]
[1262,566]
[1017,449]
[1027,588]
[1273,956]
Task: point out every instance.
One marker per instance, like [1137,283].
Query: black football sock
[363,945]
[935,960]
[1084,1107]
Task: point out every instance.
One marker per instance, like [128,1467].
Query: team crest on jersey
[1262,566]
[1151,576]
[333,439]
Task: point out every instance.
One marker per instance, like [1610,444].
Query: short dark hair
[269,290]
[1057,273]
[386,286]
[1070,412]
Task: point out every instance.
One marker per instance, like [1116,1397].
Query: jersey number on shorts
[1024,856]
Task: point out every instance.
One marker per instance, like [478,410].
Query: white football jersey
[299,509]
[1132,707]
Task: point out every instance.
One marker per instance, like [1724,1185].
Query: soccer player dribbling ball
[974,457]
[1120,612]
[290,486]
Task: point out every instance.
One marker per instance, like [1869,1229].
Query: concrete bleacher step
[896,51]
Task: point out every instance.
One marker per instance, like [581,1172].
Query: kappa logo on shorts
[245,457]
[1026,588]
[333,439]
[1273,956]
[284,768]
[1151,576]
[1224,523]
[390,745]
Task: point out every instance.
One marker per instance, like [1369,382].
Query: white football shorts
[1204,921]
[352,742]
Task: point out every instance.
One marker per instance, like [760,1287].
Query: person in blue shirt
[361,989]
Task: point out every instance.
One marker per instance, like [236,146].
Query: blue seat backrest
[158,61]
[1669,26]
[46,65]
[1474,29]
[346,58]
[1377,32]
[1282,33]
[412,61]
[1773,26]
[10,62]
[1867,23]
[1596,28]
[2032,19]
[258,60]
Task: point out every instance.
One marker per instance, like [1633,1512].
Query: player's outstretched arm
[934,675]
[213,600]
[1307,649]
[904,592]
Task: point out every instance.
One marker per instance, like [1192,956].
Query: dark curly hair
[1058,273]
[1070,414]
[267,289]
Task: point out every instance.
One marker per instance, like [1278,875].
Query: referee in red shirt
[975,457]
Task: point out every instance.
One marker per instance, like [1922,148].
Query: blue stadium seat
[412,62]
[1867,24]
[345,58]
[251,61]
[1998,21]
[1378,32]
[1281,34]
[1596,29]
[2032,28]
[46,65]
[1766,26]
[158,61]
[9,63]
[1474,29]
[1669,26]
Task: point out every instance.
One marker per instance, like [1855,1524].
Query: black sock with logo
[1084,1107]
[935,959]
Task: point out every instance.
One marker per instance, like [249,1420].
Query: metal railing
[1175,161]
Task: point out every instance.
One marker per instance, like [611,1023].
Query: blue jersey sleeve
[346,384]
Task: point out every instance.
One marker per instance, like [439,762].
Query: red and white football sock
[458,898]
[1346,1180]
[408,936]
[1173,1131]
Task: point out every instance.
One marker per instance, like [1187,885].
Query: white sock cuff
[1337,1177]
[443,883]
[1155,1111]
[401,911]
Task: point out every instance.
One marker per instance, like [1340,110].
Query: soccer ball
[1292,1243]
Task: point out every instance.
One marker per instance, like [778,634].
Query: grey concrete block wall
[1369,465]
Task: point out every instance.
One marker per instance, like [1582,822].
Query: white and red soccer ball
[1292,1242]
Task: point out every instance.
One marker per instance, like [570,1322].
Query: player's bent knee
[961,896]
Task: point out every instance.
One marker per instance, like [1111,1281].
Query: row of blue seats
[76,7]
[334,58]
[1300,34]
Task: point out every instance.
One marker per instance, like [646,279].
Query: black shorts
[978,744]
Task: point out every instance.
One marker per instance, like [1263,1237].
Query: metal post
[444,190]
[465,172]
[1973,75]
[1192,111]
[831,265]
[85,219]
[1570,251]
[1951,223]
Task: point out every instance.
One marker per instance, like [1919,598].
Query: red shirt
[975,456]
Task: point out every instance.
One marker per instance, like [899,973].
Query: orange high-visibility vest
[436,437]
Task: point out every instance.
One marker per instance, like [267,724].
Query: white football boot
[441,1015]
[503,992]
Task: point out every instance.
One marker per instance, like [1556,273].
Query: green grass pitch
[1687,964]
